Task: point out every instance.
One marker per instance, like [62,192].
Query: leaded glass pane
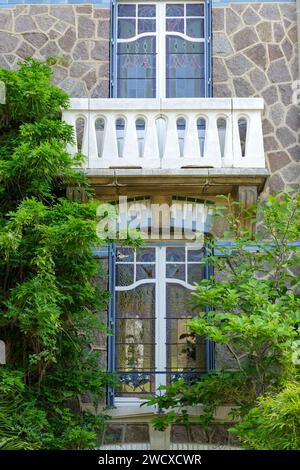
[125,254]
[175,25]
[145,271]
[135,340]
[175,254]
[185,350]
[126,28]
[175,10]
[195,273]
[146,11]
[146,26]
[195,9]
[126,10]
[146,255]
[124,274]
[175,271]
[195,27]
[196,254]
[136,303]
[136,63]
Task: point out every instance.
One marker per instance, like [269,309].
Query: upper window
[161,50]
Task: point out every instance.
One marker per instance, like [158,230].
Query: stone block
[245,38]
[137,433]
[8,42]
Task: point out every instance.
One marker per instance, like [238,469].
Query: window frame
[160,353]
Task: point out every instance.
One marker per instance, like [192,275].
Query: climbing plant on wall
[49,304]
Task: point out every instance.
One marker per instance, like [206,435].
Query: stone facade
[255,54]
[76,35]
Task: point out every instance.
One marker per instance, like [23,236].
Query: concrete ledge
[198,182]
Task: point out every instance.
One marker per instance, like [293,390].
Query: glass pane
[134,345]
[193,9]
[179,45]
[145,45]
[136,303]
[126,28]
[195,273]
[146,26]
[175,25]
[135,339]
[175,10]
[185,350]
[126,10]
[136,66]
[175,271]
[196,254]
[136,88]
[146,11]
[125,254]
[178,301]
[145,271]
[184,68]
[185,88]
[124,274]
[146,255]
[195,27]
[175,254]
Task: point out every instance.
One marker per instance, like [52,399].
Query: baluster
[171,157]
[191,152]
[131,149]
[110,148]
[151,157]
[94,161]
[228,159]
[255,155]
[212,152]
[70,118]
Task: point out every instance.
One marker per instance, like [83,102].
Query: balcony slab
[109,183]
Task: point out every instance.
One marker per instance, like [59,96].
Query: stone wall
[255,54]
[123,433]
[77,35]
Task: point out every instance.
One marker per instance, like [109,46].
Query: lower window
[153,345]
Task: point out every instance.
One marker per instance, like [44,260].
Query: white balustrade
[116,146]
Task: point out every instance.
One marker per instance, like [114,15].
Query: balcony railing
[168,133]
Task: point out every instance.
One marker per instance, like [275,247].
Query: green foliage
[274,424]
[50,304]
[250,307]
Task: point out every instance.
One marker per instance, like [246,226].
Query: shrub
[49,301]
[274,424]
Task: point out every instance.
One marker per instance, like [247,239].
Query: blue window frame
[144,363]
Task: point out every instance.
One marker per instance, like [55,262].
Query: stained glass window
[153,286]
[166,35]
[185,51]
[136,51]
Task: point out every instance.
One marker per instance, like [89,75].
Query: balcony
[177,138]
